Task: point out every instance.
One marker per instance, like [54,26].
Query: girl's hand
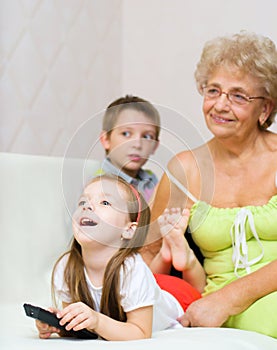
[78,316]
[45,330]
[173,223]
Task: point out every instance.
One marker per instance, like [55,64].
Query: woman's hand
[215,308]
[45,330]
[209,311]
[78,316]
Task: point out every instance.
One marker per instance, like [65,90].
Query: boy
[131,127]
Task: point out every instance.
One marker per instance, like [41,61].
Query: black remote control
[51,319]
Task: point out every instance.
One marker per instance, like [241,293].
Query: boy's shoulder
[107,167]
[147,174]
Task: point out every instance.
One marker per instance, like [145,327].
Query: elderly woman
[229,186]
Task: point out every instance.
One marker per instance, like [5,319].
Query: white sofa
[37,196]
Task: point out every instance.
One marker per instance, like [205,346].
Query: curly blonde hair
[250,53]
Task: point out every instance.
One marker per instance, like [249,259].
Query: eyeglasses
[237,98]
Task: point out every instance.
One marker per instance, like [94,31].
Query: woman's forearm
[215,308]
[246,290]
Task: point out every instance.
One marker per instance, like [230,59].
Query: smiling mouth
[87,222]
[221,120]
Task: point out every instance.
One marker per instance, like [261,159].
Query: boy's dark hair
[130,102]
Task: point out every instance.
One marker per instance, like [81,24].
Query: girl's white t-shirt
[138,288]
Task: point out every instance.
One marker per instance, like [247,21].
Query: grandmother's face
[226,118]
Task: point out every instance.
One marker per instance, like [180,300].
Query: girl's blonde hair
[74,275]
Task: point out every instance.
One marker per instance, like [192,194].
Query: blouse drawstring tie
[239,243]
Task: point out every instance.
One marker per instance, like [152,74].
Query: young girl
[103,283]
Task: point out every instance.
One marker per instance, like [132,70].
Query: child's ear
[105,140]
[129,231]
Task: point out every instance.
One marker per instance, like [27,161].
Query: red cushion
[179,288]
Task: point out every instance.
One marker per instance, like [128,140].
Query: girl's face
[225,118]
[131,142]
[102,214]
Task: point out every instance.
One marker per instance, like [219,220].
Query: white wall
[60,64]
[63,61]
[162,42]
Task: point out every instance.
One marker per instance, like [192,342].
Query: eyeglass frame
[245,99]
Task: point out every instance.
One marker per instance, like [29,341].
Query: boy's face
[131,142]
